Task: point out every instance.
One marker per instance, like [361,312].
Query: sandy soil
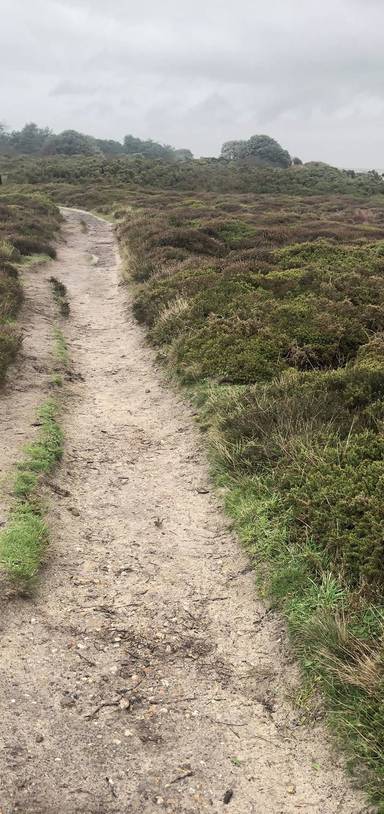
[144,675]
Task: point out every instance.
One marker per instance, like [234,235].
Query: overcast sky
[194,74]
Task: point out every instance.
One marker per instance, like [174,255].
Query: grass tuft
[60,295]
[24,539]
[61,348]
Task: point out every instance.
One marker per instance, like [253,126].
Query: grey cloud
[67,87]
[308,73]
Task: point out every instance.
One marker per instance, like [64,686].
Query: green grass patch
[24,539]
[60,295]
[60,348]
[30,261]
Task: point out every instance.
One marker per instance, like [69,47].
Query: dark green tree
[30,140]
[148,148]
[259,149]
[70,142]
[109,146]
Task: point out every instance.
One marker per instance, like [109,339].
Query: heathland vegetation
[262,289]
[271,311]
[28,224]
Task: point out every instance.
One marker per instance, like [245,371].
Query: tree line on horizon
[42,141]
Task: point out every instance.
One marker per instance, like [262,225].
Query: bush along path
[144,674]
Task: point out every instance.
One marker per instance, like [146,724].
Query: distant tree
[233,150]
[183,155]
[148,148]
[297,162]
[109,146]
[258,149]
[70,142]
[29,140]
[4,138]
[131,144]
[266,150]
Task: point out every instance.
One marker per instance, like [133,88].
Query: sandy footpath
[144,675]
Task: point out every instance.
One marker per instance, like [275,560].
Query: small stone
[39,738]
[291,789]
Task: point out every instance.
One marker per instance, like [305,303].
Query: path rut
[144,675]
[27,381]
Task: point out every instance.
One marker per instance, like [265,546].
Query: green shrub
[335,492]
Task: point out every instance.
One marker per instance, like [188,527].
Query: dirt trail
[145,675]
[27,380]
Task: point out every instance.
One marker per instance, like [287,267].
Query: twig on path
[187,773]
[114,703]
[101,706]
[211,599]
[261,738]
[231,724]
[86,659]
[169,702]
